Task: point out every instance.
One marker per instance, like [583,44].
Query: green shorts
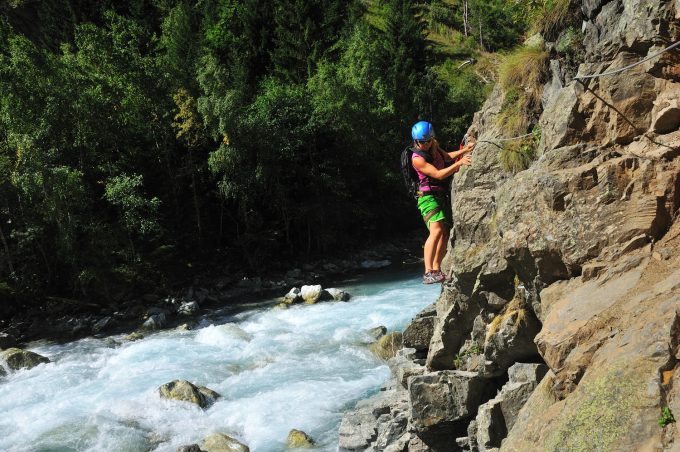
[435,208]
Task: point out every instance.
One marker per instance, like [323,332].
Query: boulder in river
[387,346]
[184,391]
[189,448]
[219,442]
[22,359]
[377,332]
[338,294]
[134,336]
[188,308]
[297,439]
[154,322]
[312,294]
[293,296]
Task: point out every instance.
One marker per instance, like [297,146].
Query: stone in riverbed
[377,332]
[188,308]
[219,442]
[338,294]
[184,391]
[135,336]
[312,294]
[293,296]
[17,359]
[387,346]
[154,322]
[298,439]
[189,448]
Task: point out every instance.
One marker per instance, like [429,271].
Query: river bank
[61,319]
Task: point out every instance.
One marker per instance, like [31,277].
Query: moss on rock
[22,359]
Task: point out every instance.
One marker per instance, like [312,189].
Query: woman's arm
[429,170]
[455,154]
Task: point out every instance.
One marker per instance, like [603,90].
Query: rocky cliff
[562,329]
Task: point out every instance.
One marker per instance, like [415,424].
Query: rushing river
[276,370]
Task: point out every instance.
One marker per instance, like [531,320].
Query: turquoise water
[276,370]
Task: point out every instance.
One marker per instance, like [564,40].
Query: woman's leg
[440,248]
[431,244]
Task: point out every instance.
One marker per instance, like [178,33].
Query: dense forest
[145,138]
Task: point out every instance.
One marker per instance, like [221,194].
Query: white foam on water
[276,369]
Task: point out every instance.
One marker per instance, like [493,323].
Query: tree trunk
[465,18]
[481,41]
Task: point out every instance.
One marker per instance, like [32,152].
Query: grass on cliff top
[550,17]
[522,75]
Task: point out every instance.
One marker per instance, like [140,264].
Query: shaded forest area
[144,140]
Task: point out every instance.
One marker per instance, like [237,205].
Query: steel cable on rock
[630,66]
[585,77]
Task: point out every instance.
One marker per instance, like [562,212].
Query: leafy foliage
[130,127]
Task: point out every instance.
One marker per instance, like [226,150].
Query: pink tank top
[438,162]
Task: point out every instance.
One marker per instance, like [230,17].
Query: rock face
[17,359]
[572,263]
[186,392]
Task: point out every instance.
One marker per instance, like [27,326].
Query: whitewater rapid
[276,369]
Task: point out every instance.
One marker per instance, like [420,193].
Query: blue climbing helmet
[422,131]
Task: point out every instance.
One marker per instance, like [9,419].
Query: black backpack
[409,173]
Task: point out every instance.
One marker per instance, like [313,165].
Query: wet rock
[313,294]
[293,296]
[377,332]
[189,448]
[154,322]
[188,308]
[387,346]
[3,372]
[299,439]
[219,442]
[102,324]
[338,294]
[184,391]
[134,336]
[17,359]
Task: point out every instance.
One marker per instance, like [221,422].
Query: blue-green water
[276,370]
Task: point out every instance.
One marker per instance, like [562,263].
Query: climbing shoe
[433,277]
[441,276]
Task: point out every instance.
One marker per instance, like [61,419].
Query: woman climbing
[434,167]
